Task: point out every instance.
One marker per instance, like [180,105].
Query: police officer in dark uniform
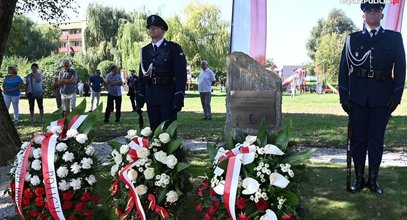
[371,81]
[132,84]
[162,76]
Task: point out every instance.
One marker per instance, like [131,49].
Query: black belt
[373,74]
[158,80]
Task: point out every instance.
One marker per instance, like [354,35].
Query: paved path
[322,155]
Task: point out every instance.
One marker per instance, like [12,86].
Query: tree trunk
[9,140]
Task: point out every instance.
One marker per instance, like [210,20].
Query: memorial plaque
[249,108]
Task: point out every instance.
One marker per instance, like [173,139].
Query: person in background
[80,88]
[95,83]
[34,91]
[11,90]
[114,93]
[205,80]
[293,85]
[67,80]
[56,92]
[132,84]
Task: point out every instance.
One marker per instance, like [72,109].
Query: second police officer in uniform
[162,76]
[371,81]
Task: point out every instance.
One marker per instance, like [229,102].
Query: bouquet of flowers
[149,175]
[251,177]
[54,174]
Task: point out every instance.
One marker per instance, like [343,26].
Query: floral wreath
[251,177]
[149,174]
[53,175]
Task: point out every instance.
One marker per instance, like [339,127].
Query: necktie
[373,33]
[155,47]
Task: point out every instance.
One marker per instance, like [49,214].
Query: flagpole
[231,26]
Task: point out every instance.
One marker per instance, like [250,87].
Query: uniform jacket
[168,61]
[387,54]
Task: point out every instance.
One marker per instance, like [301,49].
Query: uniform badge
[356,53]
[152,18]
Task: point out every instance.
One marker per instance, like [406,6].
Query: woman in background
[11,90]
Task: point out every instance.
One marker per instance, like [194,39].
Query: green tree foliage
[205,36]
[31,41]
[104,67]
[132,36]
[327,57]
[21,63]
[337,22]
[101,34]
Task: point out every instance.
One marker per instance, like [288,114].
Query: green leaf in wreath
[199,171]
[78,110]
[174,145]
[262,133]
[299,157]
[161,194]
[229,141]
[181,166]
[172,128]
[240,136]
[159,129]
[114,144]
[53,117]
[92,118]
[283,137]
[292,199]
[212,151]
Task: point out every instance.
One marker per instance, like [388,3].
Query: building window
[65,32]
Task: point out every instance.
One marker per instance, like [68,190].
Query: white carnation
[81,138]
[72,133]
[86,163]
[113,170]
[62,172]
[128,158]
[13,170]
[291,173]
[36,164]
[143,152]
[35,180]
[75,168]
[39,138]
[146,132]
[149,173]
[141,190]
[131,134]
[91,179]
[118,158]
[164,138]
[76,183]
[124,149]
[63,185]
[132,175]
[68,156]
[37,153]
[25,145]
[90,150]
[172,196]
[55,129]
[61,147]
[27,177]
[160,156]
[171,161]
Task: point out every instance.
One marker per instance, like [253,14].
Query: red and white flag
[393,15]
[249,28]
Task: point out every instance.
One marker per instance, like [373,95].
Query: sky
[288,22]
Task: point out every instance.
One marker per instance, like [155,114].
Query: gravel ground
[322,155]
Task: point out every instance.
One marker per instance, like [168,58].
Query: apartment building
[72,37]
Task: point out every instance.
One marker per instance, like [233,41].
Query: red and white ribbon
[138,142]
[237,156]
[50,176]
[20,173]
[126,179]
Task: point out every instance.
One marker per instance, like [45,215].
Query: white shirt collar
[370,29]
[158,42]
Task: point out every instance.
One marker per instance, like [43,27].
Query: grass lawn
[318,120]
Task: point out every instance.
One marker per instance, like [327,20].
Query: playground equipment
[306,79]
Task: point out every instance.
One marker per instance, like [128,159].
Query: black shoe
[358,186]
[209,118]
[106,121]
[360,180]
[372,183]
[117,121]
[205,118]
